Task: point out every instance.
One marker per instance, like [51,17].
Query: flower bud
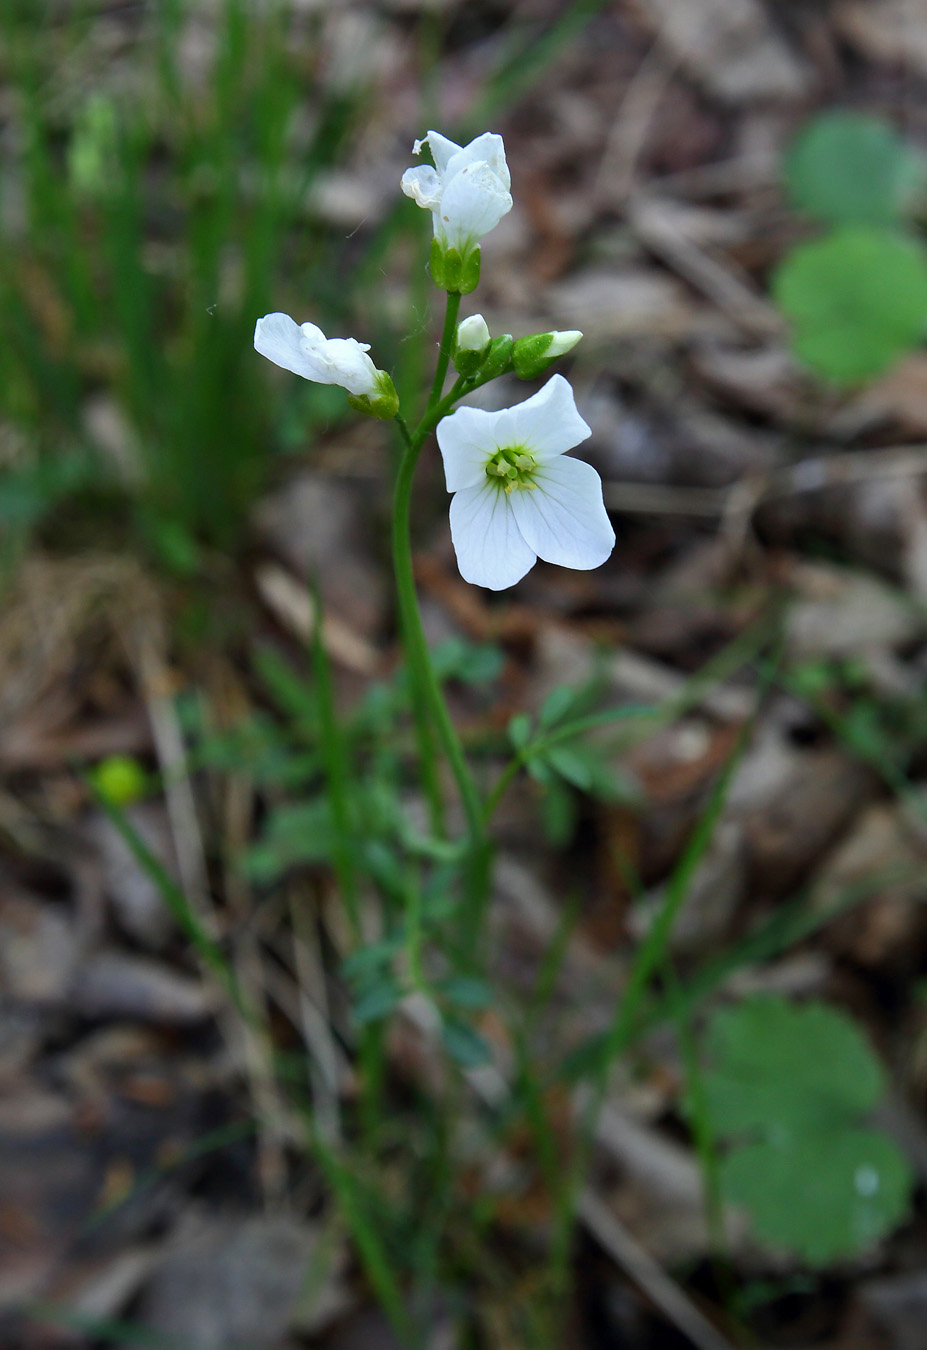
[532,355]
[120,779]
[499,357]
[471,344]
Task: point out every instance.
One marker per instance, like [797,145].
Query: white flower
[467,192]
[305,350]
[517,497]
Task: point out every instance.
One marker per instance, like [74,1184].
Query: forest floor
[768,592]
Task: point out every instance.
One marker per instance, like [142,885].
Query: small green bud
[120,779]
[534,354]
[498,359]
[383,404]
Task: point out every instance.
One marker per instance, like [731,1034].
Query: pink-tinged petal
[490,549]
[564,518]
[281,340]
[548,422]
[472,203]
[467,442]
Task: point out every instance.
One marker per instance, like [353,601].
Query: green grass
[162,213]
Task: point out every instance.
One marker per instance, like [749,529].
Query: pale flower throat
[512,467]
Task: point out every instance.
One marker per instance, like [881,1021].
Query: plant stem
[447,346]
[423,729]
[337,771]
[417,654]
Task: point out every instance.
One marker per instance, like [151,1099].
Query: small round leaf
[848,168]
[824,1196]
[857,299]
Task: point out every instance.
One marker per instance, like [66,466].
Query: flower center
[512,467]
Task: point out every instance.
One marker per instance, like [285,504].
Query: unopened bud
[471,346]
[498,358]
[472,334]
[532,355]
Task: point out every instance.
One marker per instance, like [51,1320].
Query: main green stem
[417,653]
[447,346]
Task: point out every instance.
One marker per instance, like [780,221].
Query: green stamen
[514,467]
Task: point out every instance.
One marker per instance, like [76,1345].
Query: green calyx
[534,354]
[512,467]
[530,355]
[452,270]
[383,404]
[499,357]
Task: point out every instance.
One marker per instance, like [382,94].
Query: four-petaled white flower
[467,192]
[305,350]
[517,497]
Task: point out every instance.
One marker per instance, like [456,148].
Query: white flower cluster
[516,497]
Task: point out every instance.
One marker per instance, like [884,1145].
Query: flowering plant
[516,498]
[517,494]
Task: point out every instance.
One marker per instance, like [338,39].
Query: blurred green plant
[857,295]
[848,168]
[156,222]
[787,1087]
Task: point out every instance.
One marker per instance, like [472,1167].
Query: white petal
[489,149]
[280,339]
[564,519]
[563,341]
[442,150]
[547,422]
[313,337]
[467,440]
[490,549]
[423,185]
[472,204]
[344,361]
[472,334]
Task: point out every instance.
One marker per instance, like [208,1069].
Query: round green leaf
[822,1195]
[857,299]
[779,1067]
[848,168]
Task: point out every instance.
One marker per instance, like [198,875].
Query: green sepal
[529,355]
[468,362]
[384,404]
[470,271]
[498,359]
[451,271]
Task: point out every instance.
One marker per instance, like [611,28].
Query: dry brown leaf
[730,46]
